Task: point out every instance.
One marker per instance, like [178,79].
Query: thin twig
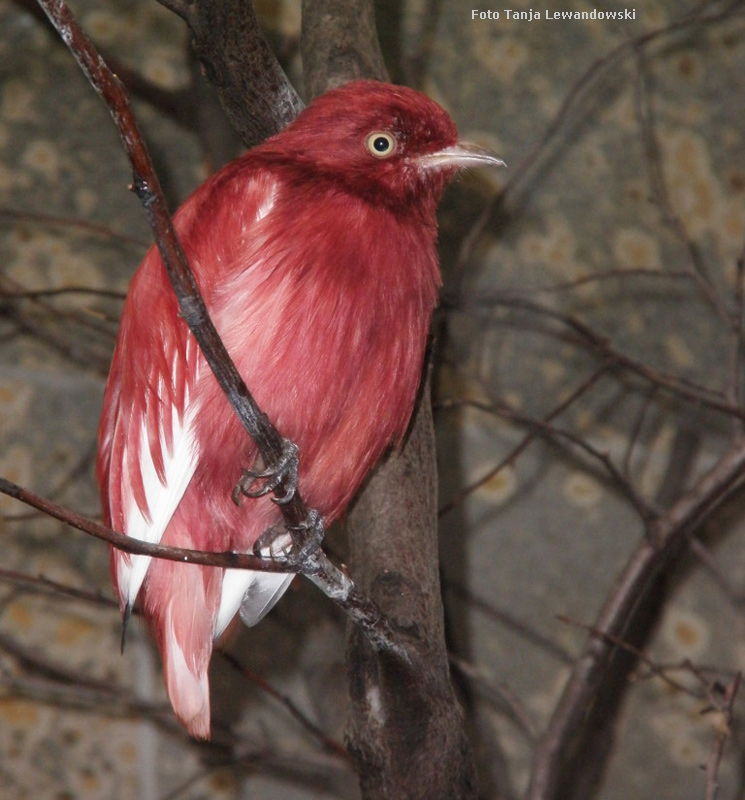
[136,546]
[618,641]
[724,731]
[661,193]
[636,431]
[11,289]
[42,585]
[290,767]
[181,8]
[331,745]
[587,337]
[500,695]
[544,427]
[99,700]
[337,586]
[595,277]
[509,621]
[706,558]
[737,346]
[103,231]
[35,294]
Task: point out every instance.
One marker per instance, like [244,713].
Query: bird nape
[315,255]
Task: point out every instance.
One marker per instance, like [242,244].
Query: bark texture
[406,727]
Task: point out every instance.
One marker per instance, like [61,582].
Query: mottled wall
[629,219]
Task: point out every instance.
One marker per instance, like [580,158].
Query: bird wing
[254,593]
[148,450]
[163,493]
[149,435]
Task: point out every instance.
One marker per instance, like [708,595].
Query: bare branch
[329,61]
[329,744]
[587,337]
[724,731]
[183,8]
[509,621]
[538,426]
[136,546]
[737,339]
[42,585]
[316,567]
[253,89]
[661,193]
[13,215]
[659,670]
[500,696]
[664,536]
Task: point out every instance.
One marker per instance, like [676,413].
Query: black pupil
[381,144]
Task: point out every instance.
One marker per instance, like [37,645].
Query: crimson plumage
[315,255]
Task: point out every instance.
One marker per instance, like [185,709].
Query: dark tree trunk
[406,727]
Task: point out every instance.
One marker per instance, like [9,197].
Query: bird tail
[184,625]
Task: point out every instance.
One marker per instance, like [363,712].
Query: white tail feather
[254,593]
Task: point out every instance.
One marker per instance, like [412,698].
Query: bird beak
[462,154]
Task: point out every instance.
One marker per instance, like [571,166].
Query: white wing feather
[162,497]
[254,593]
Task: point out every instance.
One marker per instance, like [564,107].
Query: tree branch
[240,66]
[664,536]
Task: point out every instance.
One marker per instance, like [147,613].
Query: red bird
[315,255]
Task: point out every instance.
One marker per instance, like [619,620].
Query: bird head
[384,143]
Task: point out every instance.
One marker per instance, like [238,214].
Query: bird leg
[283,471]
[276,543]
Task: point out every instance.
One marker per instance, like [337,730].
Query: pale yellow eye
[380,144]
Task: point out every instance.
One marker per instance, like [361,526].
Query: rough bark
[339,44]
[406,727]
[240,65]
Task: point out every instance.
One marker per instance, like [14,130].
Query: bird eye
[380,144]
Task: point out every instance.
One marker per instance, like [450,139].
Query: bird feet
[283,471]
[310,535]
[278,542]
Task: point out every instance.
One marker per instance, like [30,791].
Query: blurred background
[588,373]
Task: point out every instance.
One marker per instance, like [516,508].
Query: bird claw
[311,532]
[284,471]
[273,543]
